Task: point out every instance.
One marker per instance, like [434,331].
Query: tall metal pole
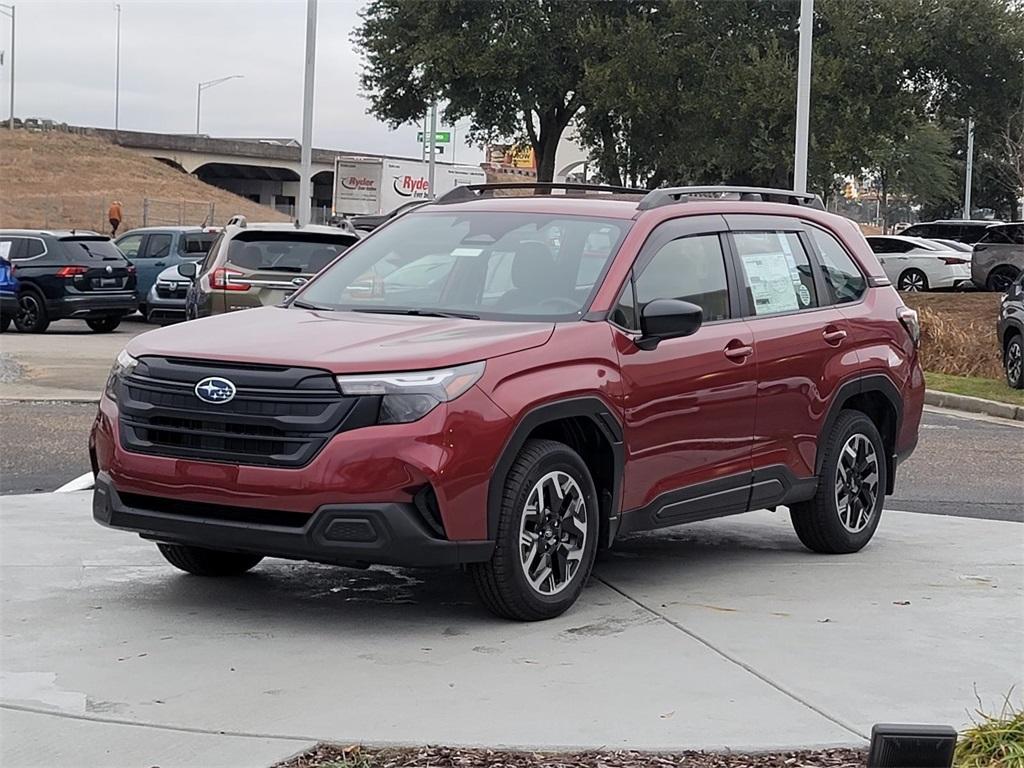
[803,96]
[970,168]
[8,10]
[209,84]
[117,70]
[305,177]
[199,104]
[433,149]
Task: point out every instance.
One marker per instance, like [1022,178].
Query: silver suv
[998,257]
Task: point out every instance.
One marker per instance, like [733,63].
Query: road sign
[440,137]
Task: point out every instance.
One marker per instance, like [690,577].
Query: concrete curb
[974,405]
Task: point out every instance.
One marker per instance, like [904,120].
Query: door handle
[738,351]
[160,264]
[833,336]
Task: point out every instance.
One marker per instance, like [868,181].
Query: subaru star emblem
[215,390]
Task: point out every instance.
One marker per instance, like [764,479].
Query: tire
[32,315]
[818,522]
[1013,361]
[913,280]
[502,582]
[1000,279]
[103,324]
[208,562]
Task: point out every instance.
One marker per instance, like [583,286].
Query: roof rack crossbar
[670,195]
[466,192]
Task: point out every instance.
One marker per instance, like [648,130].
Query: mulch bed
[337,756]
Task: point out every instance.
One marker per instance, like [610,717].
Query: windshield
[293,252]
[507,266]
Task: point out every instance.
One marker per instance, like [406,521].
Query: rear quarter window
[844,278]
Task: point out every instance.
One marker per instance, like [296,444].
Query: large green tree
[514,68]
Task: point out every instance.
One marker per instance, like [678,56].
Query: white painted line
[83,483]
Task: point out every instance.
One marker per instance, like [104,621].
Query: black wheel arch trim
[875,382]
[607,423]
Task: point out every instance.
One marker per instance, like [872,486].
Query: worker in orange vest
[116,216]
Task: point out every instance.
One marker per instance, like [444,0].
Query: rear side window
[776,272]
[1013,235]
[842,275]
[33,247]
[689,269]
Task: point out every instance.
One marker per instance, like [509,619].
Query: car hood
[341,342]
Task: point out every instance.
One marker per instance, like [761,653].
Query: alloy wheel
[553,533]
[1014,361]
[856,487]
[913,282]
[28,311]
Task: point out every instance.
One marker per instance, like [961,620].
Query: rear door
[95,265]
[265,268]
[800,343]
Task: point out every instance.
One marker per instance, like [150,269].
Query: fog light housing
[911,746]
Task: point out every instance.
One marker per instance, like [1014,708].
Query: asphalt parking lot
[720,634]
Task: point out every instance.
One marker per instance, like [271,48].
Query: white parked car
[916,264]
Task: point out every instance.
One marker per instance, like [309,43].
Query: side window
[878,245]
[901,246]
[1017,234]
[846,281]
[33,247]
[624,314]
[776,272]
[130,245]
[690,269]
[158,246]
[11,248]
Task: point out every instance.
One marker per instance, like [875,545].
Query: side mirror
[668,319]
[188,269]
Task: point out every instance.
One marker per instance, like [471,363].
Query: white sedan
[916,264]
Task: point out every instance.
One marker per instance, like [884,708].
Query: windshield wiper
[307,305]
[416,312]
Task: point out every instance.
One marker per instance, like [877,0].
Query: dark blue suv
[8,288]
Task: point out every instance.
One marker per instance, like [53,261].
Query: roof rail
[467,192]
[669,195]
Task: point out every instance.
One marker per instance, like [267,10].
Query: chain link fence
[177,212]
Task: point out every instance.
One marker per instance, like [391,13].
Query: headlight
[123,366]
[411,396]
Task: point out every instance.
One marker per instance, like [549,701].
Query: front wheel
[1013,362]
[208,562]
[844,513]
[548,525]
[913,280]
[1000,279]
[32,316]
[103,324]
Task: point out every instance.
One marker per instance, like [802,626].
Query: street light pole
[209,84]
[970,168]
[117,70]
[8,10]
[306,157]
[803,96]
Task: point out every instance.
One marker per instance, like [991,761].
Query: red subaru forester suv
[512,382]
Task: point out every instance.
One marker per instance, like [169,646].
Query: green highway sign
[440,137]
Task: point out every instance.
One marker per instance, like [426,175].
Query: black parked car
[67,274]
[967,231]
[1011,332]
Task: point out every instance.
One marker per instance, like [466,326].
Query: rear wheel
[844,513]
[1013,361]
[208,562]
[1001,278]
[547,535]
[32,316]
[913,280]
[103,324]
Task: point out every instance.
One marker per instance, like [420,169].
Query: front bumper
[356,535]
[159,308]
[99,305]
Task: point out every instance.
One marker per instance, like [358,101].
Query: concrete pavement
[720,634]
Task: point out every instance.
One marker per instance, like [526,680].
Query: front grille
[165,292]
[280,416]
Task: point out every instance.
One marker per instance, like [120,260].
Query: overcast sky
[65,70]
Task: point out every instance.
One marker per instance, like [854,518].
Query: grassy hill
[63,180]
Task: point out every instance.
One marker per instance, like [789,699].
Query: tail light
[71,271]
[908,318]
[953,260]
[221,279]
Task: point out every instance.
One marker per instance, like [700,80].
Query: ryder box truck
[372,185]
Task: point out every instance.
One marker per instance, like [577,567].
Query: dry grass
[994,741]
[57,180]
[958,333]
